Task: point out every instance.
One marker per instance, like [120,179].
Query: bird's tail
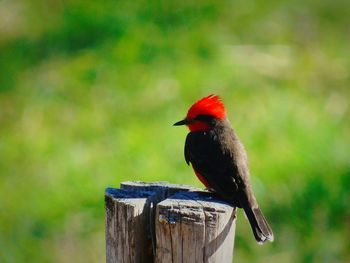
[261,229]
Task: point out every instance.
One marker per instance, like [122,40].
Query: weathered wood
[144,225]
[194,227]
[161,191]
[130,220]
[127,214]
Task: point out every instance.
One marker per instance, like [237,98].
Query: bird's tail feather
[261,229]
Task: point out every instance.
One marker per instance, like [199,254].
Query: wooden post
[159,222]
[126,219]
[130,234]
[194,227]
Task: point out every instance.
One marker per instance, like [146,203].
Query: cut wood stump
[160,222]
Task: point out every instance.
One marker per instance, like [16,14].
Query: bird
[219,160]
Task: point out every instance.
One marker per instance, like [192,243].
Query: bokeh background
[89,91]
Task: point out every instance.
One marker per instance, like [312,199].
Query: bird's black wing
[215,164]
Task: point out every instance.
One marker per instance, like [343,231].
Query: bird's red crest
[210,105]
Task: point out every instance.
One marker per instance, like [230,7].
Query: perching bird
[219,160]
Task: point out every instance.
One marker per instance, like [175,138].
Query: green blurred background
[89,91]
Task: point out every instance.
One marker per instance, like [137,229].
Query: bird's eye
[198,118]
[205,118]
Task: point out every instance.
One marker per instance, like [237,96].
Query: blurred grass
[89,91]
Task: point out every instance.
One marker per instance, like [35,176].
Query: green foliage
[89,92]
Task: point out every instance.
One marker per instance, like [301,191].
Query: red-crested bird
[219,160]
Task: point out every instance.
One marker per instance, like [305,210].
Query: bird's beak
[182,122]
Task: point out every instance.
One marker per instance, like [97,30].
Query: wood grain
[194,227]
[160,222]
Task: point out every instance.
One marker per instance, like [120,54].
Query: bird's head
[203,114]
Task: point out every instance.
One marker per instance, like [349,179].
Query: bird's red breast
[201,178]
